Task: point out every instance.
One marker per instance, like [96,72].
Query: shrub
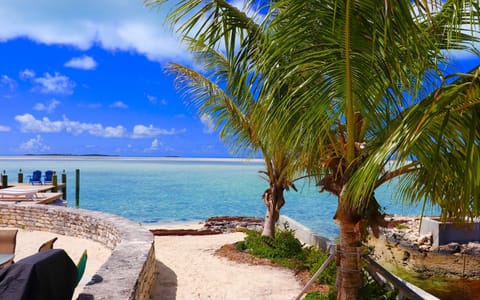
[285,249]
[314,258]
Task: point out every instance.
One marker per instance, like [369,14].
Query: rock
[406,256]
[230,224]
[426,239]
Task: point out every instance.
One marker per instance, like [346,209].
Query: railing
[378,273]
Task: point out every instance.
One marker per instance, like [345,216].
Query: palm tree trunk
[269,223]
[273,199]
[349,279]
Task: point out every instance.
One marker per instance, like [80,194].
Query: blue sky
[82,77]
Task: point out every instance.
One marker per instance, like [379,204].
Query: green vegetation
[350,93]
[286,250]
[401,226]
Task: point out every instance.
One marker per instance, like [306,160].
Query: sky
[87,77]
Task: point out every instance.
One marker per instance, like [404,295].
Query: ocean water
[149,190]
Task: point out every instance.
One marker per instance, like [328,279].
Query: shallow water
[443,288]
[150,190]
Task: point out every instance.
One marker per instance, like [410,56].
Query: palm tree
[220,93]
[364,64]
[341,83]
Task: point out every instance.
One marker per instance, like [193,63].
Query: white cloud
[152,99]
[34,144]
[54,84]
[27,74]
[49,107]
[8,82]
[4,128]
[111,24]
[157,145]
[28,123]
[207,121]
[83,62]
[141,131]
[118,104]
[153,146]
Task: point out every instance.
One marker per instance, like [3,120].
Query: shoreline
[127,158]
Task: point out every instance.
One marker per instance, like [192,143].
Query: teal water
[169,190]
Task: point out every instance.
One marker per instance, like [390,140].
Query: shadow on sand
[165,285]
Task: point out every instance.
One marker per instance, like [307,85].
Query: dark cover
[47,275]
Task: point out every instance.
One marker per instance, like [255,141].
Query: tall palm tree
[220,92]
[364,64]
[342,83]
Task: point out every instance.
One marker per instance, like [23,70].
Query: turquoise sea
[157,190]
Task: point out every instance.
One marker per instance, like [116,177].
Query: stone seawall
[129,272]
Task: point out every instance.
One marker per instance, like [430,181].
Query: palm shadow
[165,284]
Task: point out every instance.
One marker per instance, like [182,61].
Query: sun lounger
[22,194]
[17,194]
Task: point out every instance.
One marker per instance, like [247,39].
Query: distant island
[63,154]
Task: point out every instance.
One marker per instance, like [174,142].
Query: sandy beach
[187,267]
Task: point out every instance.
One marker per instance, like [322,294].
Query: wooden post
[54,182]
[20,176]
[4,179]
[64,181]
[77,188]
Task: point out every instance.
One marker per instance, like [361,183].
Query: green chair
[81,265]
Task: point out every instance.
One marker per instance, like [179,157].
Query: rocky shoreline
[401,245]
[216,225]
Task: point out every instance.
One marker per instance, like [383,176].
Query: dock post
[64,181]
[4,179]
[54,181]
[77,188]
[20,176]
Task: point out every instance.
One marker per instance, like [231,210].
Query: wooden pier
[19,192]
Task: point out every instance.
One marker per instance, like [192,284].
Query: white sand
[28,243]
[187,266]
[188,269]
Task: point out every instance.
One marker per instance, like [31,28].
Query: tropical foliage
[220,92]
[354,90]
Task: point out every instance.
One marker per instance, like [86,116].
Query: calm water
[164,190]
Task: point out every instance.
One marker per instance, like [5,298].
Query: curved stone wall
[127,274]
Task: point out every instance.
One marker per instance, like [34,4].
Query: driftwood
[163,232]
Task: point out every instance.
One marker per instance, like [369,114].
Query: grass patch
[286,250]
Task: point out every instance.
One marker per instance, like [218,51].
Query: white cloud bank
[111,24]
[28,123]
[4,128]
[141,131]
